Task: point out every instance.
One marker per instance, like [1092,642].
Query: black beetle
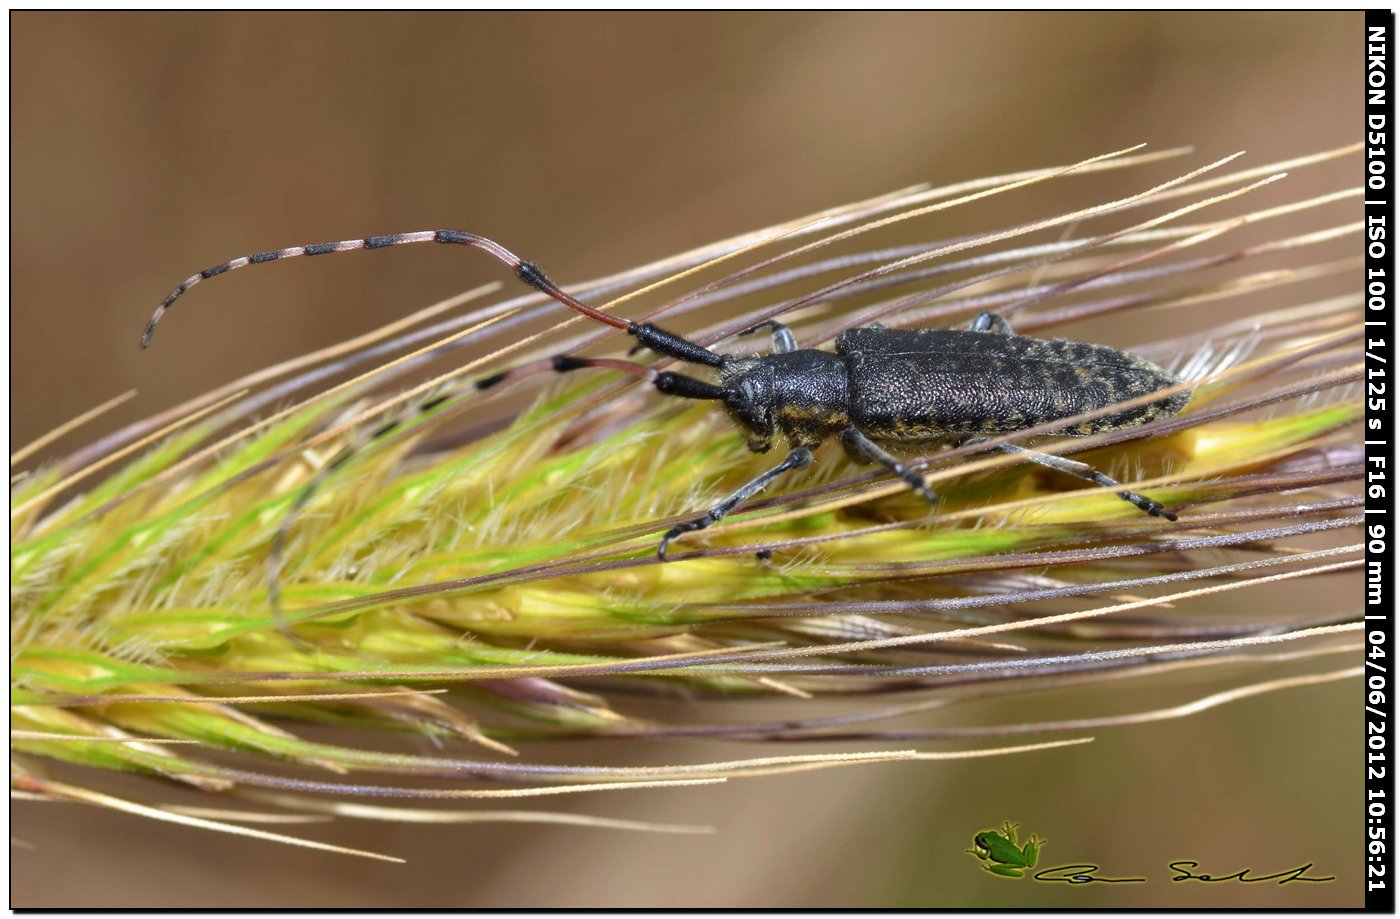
[902,388]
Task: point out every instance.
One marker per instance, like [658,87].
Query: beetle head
[748,395]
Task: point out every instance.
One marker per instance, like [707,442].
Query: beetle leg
[990,322]
[783,340]
[1089,474]
[863,448]
[797,459]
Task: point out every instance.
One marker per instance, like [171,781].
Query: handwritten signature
[1283,877]
[1087,873]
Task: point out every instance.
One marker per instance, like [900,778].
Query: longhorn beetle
[881,386]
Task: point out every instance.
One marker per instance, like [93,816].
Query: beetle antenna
[648,335]
[672,384]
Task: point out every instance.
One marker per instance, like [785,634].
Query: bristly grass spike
[879,388]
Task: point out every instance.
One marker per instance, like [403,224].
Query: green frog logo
[1000,855]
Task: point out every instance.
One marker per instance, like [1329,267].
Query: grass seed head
[486,575]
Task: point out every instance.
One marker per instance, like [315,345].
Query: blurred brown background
[146,147]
